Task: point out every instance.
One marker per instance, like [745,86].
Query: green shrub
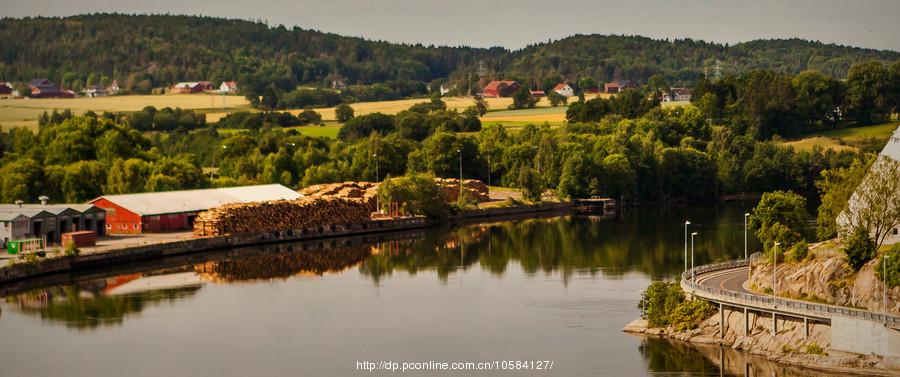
[893,267]
[71,250]
[799,251]
[815,349]
[688,314]
[860,248]
[660,299]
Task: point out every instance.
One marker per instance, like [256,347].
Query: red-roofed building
[616,86]
[500,88]
[43,88]
[192,87]
[228,87]
[564,89]
[538,93]
[6,88]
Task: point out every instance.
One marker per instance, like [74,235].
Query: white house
[890,151]
[228,87]
[564,90]
[677,95]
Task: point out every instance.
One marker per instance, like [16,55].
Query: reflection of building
[139,283]
[891,151]
[176,210]
[48,220]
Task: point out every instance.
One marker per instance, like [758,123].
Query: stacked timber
[345,190]
[279,215]
[472,188]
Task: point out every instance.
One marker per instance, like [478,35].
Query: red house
[43,88]
[616,86]
[192,87]
[175,210]
[500,88]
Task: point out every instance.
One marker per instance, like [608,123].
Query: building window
[108,226]
[134,226]
[897,231]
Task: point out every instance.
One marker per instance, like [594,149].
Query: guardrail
[770,303]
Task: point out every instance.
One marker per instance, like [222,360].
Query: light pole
[459,197]
[686,223]
[213,170]
[774,267]
[377,206]
[693,274]
[746,216]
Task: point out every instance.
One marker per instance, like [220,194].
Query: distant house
[564,90]
[228,87]
[338,85]
[500,88]
[6,88]
[192,87]
[616,86]
[94,91]
[676,94]
[43,88]
[445,89]
[538,93]
[113,88]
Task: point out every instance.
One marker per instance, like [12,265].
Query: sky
[516,23]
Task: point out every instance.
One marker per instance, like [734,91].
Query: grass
[846,138]
[25,112]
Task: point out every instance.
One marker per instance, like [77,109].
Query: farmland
[25,112]
[846,138]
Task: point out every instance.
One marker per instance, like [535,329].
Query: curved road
[731,279]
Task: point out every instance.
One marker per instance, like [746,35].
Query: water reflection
[282,265]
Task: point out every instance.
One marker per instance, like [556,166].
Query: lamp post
[213,171]
[693,274]
[746,216]
[774,268]
[459,197]
[686,223]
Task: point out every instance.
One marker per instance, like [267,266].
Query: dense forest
[143,52]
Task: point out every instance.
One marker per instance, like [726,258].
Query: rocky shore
[789,346]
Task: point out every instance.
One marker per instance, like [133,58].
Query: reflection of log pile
[302,213]
[283,265]
[472,188]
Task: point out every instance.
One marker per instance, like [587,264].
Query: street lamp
[686,223]
[213,170]
[746,216]
[693,273]
[774,267]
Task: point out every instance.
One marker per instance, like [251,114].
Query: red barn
[618,86]
[43,88]
[500,88]
[192,87]
[175,210]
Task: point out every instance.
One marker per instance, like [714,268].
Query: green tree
[779,217]
[522,99]
[890,273]
[127,176]
[481,105]
[875,204]
[818,98]
[343,113]
[556,99]
[868,96]
[836,186]
[416,194]
[859,248]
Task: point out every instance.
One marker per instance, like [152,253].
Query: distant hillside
[147,51]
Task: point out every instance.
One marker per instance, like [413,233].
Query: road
[731,279]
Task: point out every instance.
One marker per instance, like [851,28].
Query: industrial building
[175,210]
[48,221]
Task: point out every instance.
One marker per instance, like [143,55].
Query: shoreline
[756,344]
[137,254]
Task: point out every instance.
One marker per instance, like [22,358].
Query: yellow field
[25,112]
[846,138]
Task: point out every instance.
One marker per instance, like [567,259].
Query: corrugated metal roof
[7,213]
[155,203]
[55,209]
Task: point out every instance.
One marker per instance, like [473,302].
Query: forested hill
[147,51]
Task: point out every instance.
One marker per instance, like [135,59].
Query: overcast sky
[516,23]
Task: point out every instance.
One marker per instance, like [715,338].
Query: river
[556,289]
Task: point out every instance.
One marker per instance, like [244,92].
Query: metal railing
[770,303]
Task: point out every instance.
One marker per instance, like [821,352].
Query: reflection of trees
[87,308]
[283,264]
[648,240]
[663,356]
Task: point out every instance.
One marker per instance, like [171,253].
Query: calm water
[557,289]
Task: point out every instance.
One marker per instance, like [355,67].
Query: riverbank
[789,346]
[136,254]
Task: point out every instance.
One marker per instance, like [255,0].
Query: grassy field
[25,112]
[845,138]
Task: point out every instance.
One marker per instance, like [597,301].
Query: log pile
[472,188]
[278,215]
[345,190]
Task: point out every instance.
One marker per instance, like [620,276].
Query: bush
[859,248]
[688,314]
[665,305]
[815,349]
[417,194]
[799,251]
[893,267]
[71,250]
[343,113]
